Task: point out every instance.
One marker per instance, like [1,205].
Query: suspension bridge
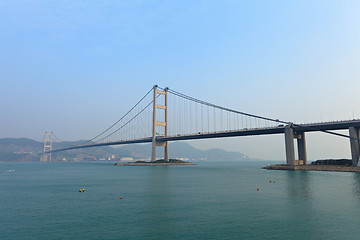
[163,115]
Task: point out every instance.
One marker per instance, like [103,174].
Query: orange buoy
[80,190]
[120,197]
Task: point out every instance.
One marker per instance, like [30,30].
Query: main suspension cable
[128,121]
[122,116]
[256,116]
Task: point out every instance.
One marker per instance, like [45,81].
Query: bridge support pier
[166,152]
[290,150]
[354,145]
[302,147]
[289,146]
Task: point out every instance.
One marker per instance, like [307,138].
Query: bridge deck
[299,128]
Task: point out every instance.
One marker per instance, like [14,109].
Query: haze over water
[212,200]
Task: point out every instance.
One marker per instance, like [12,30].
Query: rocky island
[332,165]
[160,162]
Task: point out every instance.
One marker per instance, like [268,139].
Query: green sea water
[211,200]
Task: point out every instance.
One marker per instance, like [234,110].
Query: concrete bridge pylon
[160,123]
[289,147]
[354,134]
[46,157]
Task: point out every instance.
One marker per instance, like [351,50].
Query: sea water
[211,200]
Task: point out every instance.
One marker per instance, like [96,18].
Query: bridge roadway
[297,129]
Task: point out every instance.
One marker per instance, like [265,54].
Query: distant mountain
[24,149]
[19,144]
[183,150]
[19,149]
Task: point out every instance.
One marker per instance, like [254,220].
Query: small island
[332,165]
[160,162]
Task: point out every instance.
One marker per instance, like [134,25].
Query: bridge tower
[160,123]
[47,147]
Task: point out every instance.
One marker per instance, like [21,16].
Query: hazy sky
[74,67]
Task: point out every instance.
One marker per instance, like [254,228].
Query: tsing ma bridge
[165,115]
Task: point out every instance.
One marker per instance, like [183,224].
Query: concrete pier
[302,148]
[354,134]
[289,146]
[290,150]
